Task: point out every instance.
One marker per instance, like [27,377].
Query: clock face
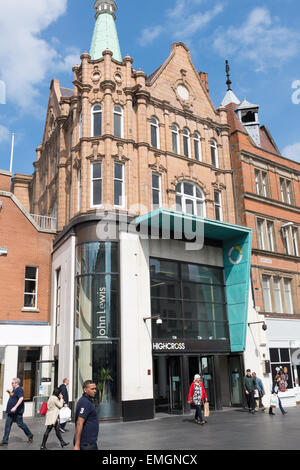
[183,92]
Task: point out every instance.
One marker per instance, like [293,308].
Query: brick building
[25,260]
[267,195]
[150,273]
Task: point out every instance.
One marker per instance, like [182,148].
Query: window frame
[175,134]
[157,190]
[35,294]
[93,112]
[122,181]
[186,140]
[154,124]
[194,198]
[286,191]
[214,152]
[197,145]
[261,178]
[279,297]
[120,114]
[218,205]
[92,185]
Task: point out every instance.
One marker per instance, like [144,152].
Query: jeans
[198,414]
[89,446]
[15,418]
[250,400]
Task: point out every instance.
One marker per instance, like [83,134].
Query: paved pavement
[230,429]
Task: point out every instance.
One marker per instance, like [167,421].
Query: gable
[178,82]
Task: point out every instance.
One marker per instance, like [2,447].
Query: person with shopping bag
[54,405]
[275,399]
[197,396]
[63,388]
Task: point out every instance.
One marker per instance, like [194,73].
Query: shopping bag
[65,415]
[44,408]
[256,394]
[273,401]
[206,409]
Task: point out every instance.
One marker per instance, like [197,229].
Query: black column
[218,385]
[185,383]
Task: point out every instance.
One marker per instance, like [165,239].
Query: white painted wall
[64,258]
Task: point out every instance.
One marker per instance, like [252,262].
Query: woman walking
[55,403]
[197,395]
[275,390]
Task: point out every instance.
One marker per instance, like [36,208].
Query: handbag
[273,401]
[65,415]
[206,409]
[44,408]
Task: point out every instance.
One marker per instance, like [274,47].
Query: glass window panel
[97,170]
[203,274]
[97,124]
[188,189]
[288,296]
[119,171]
[154,139]
[189,206]
[117,125]
[179,203]
[274,355]
[155,181]
[29,300]
[118,193]
[174,142]
[267,293]
[164,269]
[30,287]
[284,355]
[166,289]
[277,295]
[30,273]
[155,198]
[97,192]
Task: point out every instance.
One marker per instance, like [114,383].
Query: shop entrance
[168,384]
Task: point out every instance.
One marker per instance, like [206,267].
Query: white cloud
[25,57]
[260,39]
[4,134]
[150,34]
[292,151]
[183,21]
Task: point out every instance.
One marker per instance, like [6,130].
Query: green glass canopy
[237,247]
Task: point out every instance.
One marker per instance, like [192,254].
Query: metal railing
[45,222]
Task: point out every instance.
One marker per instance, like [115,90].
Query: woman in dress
[197,396]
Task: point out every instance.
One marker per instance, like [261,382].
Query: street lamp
[264,326]
[155,317]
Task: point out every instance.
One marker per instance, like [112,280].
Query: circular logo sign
[235,255]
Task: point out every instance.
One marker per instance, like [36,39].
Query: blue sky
[41,40]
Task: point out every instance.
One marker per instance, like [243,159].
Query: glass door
[236,381]
[175,385]
[208,379]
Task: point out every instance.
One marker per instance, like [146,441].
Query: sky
[41,40]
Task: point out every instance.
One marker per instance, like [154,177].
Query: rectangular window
[119,199]
[58,296]
[267,293]
[156,190]
[277,293]
[286,191]
[290,239]
[31,286]
[96,189]
[265,235]
[261,183]
[218,205]
[295,241]
[79,190]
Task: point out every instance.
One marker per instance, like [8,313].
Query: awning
[236,241]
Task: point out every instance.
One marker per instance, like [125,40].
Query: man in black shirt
[86,419]
[15,411]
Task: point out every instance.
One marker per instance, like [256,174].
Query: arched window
[190,199]
[154,133]
[175,139]
[214,153]
[197,147]
[186,142]
[96,120]
[118,121]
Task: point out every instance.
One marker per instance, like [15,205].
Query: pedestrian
[86,419]
[275,390]
[198,396]
[250,387]
[54,404]
[15,411]
[261,393]
[64,391]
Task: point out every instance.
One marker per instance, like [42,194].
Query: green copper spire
[105,33]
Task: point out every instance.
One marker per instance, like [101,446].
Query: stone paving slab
[230,429]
